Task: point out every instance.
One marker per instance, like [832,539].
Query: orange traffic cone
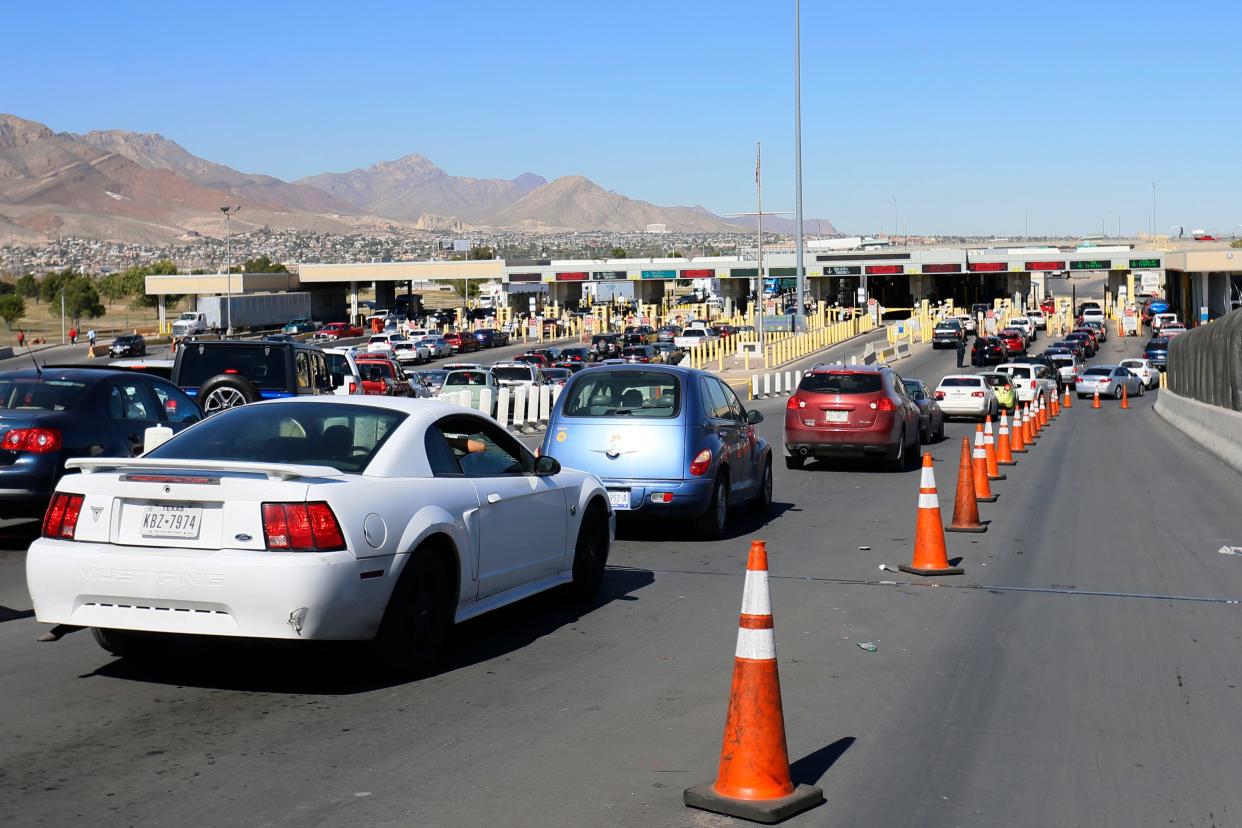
[1028,428]
[983,491]
[1043,411]
[1069,403]
[753,781]
[1125,397]
[965,507]
[1095,402]
[1056,406]
[989,451]
[1004,448]
[930,556]
[1018,436]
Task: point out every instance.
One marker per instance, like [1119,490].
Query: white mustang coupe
[347,518]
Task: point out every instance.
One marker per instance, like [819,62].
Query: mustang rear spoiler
[273,471]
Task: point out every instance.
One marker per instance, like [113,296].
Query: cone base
[997,476]
[948,570]
[1007,463]
[989,499]
[1019,451]
[980,528]
[767,811]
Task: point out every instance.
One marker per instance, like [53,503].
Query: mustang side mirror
[545,465]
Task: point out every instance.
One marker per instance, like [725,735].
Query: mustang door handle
[493,498]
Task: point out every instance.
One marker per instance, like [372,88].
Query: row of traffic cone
[978,467]
[753,780]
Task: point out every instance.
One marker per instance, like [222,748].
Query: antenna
[38,370]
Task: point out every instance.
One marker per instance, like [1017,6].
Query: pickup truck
[693,337]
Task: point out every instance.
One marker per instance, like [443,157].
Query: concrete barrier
[1219,430]
[519,409]
[502,406]
[6,352]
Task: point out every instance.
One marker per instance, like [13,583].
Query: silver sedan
[1108,380]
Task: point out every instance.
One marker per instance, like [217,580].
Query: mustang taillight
[33,440]
[61,519]
[303,527]
[701,463]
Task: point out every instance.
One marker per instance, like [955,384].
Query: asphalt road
[1084,671]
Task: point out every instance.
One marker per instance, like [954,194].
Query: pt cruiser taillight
[301,527]
[61,519]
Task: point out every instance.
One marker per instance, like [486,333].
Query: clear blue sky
[974,115]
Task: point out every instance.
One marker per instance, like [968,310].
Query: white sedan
[1144,369]
[345,518]
[966,395]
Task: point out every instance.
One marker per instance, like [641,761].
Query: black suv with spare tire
[228,373]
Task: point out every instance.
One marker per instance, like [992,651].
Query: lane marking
[1049,590]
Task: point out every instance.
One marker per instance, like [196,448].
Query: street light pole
[896,226]
[800,318]
[1153,208]
[759,241]
[228,268]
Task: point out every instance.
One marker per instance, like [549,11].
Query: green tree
[112,287]
[481,252]
[260,264]
[28,286]
[12,308]
[82,300]
[617,253]
[50,286]
[6,287]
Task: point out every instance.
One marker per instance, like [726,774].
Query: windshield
[466,378]
[840,383]
[34,394]
[604,393]
[345,437]
[1016,370]
[263,365]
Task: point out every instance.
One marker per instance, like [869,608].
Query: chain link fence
[1205,364]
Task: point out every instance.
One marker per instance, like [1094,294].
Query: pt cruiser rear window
[623,393]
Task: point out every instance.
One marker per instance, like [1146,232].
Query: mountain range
[142,187]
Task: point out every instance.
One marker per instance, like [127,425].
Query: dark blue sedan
[664,440]
[49,416]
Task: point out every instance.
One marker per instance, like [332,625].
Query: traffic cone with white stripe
[1028,427]
[989,448]
[1017,438]
[1004,446]
[1069,403]
[1095,403]
[983,491]
[753,781]
[1125,396]
[1043,412]
[965,507]
[1054,402]
[930,555]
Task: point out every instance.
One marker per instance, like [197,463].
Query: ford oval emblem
[242,537]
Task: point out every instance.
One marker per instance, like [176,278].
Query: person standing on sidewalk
[90,337]
[73,336]
[961,350]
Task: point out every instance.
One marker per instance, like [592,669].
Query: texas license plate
[171,521]
[836,416]
[619,498]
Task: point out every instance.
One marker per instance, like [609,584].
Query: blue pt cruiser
[664,440]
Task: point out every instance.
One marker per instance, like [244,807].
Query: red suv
[461,343]
[383,376]
[1014,339]
[851,410]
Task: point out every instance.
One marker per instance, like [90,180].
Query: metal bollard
[502,406]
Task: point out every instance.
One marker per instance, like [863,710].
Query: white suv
[341,363]
[1024,324]
[514,374]
[1030,379]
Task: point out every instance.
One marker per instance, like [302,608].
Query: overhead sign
[698,274]
[842,270]
[744,273]
[782,272]
[885,270]
[659,274]
[987,267]
[575,276]
[1048,265]
[942,268]
[1091,264]
[1136,264]
[608,275]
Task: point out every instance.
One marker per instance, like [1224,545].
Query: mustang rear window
[623,393]
[840,383]
[344,437]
